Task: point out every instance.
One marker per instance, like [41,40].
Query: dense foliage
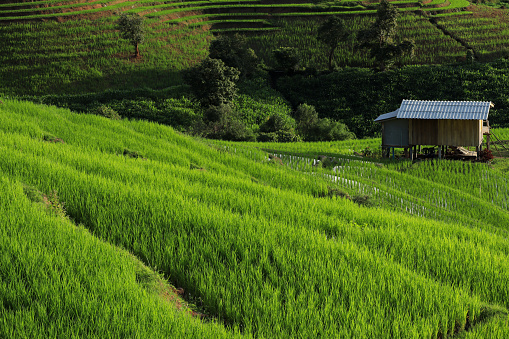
[357,96]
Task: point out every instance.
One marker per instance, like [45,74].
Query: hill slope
[260,247]
[73,46]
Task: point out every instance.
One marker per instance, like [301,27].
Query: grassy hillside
[266,250]
[53,47]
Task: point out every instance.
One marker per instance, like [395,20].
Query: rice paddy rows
[90,54]
[254,241]
[51,9]
[484,35]
[391,189]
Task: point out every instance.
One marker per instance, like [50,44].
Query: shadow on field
[127,80]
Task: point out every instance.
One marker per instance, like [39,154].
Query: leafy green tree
[381,40]
[306,116]
[212,82]
[132,28]
[331,33]
[386,23]
[287,58]
[234,52]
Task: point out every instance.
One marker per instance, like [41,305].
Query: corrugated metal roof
[387,116]
[455,110]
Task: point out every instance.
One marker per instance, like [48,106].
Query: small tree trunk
[137,53]
[331,55]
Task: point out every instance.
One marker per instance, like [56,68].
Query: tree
[312,128]
[381,38]
[234,52]
[306,116]
[331,33]
[212,82]
[386,23]
[132,28]
[287,58]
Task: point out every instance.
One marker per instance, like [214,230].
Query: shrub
[267,137]
[52,138]
[313,128]
[334,192]
[221,112]
[363,199]
[106,112]
[131,154]
[329,130]
[278,128]
[288,58]
[275,160]
[486,155]
[229,129]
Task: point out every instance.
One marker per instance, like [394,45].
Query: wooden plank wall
[423,131]
[445,132]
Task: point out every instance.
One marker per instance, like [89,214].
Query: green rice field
[98,216]
[82,51]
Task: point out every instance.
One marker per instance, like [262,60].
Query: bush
[363,199]
[288,58]
[131,154]
[278,128]
[228,129]
[277,123]
[486,155]
[221,112]
[328,130]
[312,128]
[106,112]
[334,192]
[267,137]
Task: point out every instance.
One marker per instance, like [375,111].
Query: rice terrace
[254,169]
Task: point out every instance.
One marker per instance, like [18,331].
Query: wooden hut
[435,123]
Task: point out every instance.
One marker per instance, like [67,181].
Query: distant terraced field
[73,46]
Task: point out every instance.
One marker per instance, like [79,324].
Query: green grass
[250,241]
[86,55]
[58,280]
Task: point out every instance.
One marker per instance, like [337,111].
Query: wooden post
[439,152]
